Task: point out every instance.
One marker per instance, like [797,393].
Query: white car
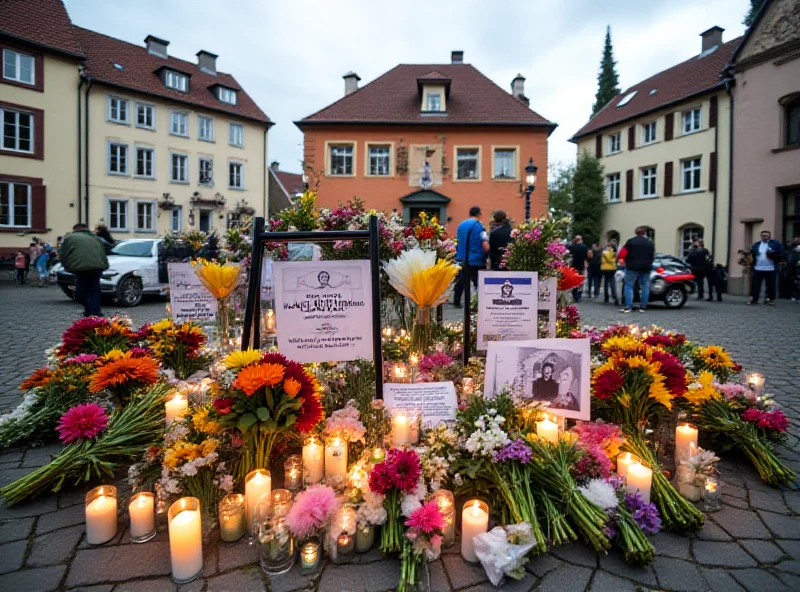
[133,270]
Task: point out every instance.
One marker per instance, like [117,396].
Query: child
[20,266]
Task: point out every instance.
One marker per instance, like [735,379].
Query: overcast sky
[290,55]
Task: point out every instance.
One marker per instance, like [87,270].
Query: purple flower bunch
[515,451]
[644,514]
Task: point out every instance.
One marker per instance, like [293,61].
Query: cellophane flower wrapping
[501,557]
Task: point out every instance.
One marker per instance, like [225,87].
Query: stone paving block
[578,553]
[196,586]
[772,501]
[61,519]
[290,581]
[671,545]
[543,564]
[55,547]
[8,476]
[14,530]
[789,566]
[719,580]
[723,554]
[244,579]
[792,500]
[526,584]
[158,585]
[791,580]
[101,588]
[12,556]
[119,564]
[614,563]
[676,574]
[462,574]
[370,556]
[43,579]
[735,502]
[438,576]
[569,577]
[70,498]
[12,457]
[712,532]
[238,555]
[792,548]
[606,582]
[380,576]
[741,523]
[733,490]
[763,551]
[785,527]
[758,579]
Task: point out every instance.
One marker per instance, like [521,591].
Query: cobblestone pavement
[753,543]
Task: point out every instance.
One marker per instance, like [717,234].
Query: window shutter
[598,146]
[39,207]
[668,179]
[632,137]
[669,126]
[629,185]
[712,115]
[712,172]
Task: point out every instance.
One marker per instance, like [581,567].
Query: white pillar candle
[256,484]
[143,518]
[313,460]
[101,514]
[640,479]
[336,461]
[547,430]
[269,321]
[467,385]
[624,460]
[176,407]
[685,437]
[400,429]
[756,382]
[185,539]
[474,521]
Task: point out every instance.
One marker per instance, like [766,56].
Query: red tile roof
[394,98]
[139,74]
[44,23]
[292,182]
[692,77]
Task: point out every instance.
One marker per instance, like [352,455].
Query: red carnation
[223,405]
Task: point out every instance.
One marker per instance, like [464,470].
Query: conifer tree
[755,6]
[607,80]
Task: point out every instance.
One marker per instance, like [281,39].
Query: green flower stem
[392,531]
[636,548]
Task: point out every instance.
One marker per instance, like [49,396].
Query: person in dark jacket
[766,254]
[580,254]
[472,246]
[101,232]
[593,270]
[698,259]
[83,254]
[499,239]
[637,255]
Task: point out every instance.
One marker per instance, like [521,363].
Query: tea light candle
[467,385]
[143,518]
[413,359]
[313,460]
[346,519]
[185,540]
[345,544]
[400,372]
[624,460]
[756,382]
[387,331]
[378,455]
[400,429]
[712,496]
[293,473]
[640,478]
[231,517]
[176,407]
[256,484]
[101,514]
[547,430]
[474,521]
[685,437]
[269,321]
[446,503]
[336,461]
[309,556]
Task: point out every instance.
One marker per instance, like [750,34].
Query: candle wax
[186,545]
[474,521]
[101,520]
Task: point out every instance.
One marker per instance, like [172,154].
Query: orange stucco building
[435,138]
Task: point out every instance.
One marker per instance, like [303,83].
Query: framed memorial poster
[548,307]
[188,297]
[507,304]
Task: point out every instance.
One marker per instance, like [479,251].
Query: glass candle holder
[276,543]
[293,473]
[414,419]
[310,556]
[401,428]
[142,512]
[281,502]
[685,441]
[101,514]
[336,462]
[185,539]
[447,506]
[378,455]
[313,460]
[399,372]
[365,538]
[688,486]
[474,522]
[257,483]
[345,545]
[712,494]
[232,525]
[756,382]
[467,385]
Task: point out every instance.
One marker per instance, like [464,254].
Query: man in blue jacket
[471,250]
[766,254]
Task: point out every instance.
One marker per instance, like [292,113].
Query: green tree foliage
[607,79]
[755,6]
[588,198]
[560,189]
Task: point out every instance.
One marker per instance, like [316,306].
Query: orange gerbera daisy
[569,279]
[124,372]
[254,377]
[40,377]
[291,387]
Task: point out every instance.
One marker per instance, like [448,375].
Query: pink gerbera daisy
[427,518]
[82,422]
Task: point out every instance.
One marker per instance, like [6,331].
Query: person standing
[499,238]
[580,254]
[593,270]
[20,268]
[637,255]
[101,232]
[41,265]
[608,267]
[698,260]
[766,254]
[83,254]
[473,245]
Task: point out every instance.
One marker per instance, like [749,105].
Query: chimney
[350,83]
[156,46]
[457,57]
[207,62]
[275,165]
[518,86]
[712,38]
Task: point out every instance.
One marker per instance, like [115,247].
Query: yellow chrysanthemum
[240,359]
[218,278]
[701,391]
[114,354]
[161,326]
[623,343]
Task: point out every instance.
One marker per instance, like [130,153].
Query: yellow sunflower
[240,359]
[701,391]
[714,357]
[623,343]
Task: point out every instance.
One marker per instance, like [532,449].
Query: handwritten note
[189,298]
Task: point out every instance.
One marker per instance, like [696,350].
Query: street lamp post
[530,180]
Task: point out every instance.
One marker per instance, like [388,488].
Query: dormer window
[176,80]
[434,102]
[226,95]
[434,90]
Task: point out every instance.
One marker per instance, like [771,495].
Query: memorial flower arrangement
[714,359]
[178,347]
[423,542]
[312,511]
[96,335]
[503,551]
[122,374]
[537,246]
[353,215]
[395,477]
[221,280]
[426,233]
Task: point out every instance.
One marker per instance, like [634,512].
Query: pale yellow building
[664,144]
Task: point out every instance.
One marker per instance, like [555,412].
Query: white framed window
[179,123]
[117,110]
[689,234]
[19,67]
[614,143]
[175,219]
[690,120]
[379,161]
[613,184]
[467,166]
[145,218]
[176,80]
[236,175]
[649,183]
[15,205]
[505,163]
[226,95]
[690,174]
[117,158]
[179,168]
[340,160]
[205,128]
[17,130]
[145,163]
[117,214]
[434,102]
[205,166]
[145,116]
[649,133]
[237,135]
